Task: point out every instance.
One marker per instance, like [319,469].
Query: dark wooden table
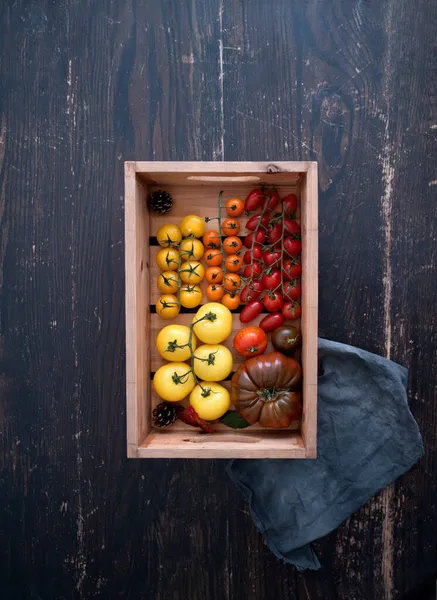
[86,85]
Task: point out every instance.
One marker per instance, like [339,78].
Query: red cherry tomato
[272,198]
[253,270]
[257,255]
[292,227]
[275,233]
[271,279]
[260,238]
[291,268]
[272,257]
[251,291]
[292,310]
[273,301]
[270,322]
[250,341]
[290,204]
[292,290]
[292,247]
[250,311]
[254,200]
[252,223]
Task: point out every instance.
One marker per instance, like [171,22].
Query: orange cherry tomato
[214,274]
[211,239]
[233,263]
[231,227]
[232,244]
[213,258]
[231,301]
[232,282]
[234,207]
[215,292]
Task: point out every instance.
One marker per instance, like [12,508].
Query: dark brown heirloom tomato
[265,390]
[286,339]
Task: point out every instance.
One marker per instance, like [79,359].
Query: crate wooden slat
[194,188]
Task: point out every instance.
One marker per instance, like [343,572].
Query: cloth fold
[367,437]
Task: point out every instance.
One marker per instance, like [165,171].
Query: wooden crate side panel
[137,311]
[309,224]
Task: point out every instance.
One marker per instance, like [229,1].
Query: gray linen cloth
[367,437]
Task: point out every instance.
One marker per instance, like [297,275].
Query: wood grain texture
[85,86]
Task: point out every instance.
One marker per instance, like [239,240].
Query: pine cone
[164,415]
[160,202]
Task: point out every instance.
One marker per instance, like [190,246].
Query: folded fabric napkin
[367,437]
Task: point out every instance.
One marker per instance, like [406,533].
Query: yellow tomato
[210,400]
[170,339]
[192,272]
[191,296]
[169,235]
[212,362]
[212,323]
[192,225]
[167,259]
[168,282]
[173,381]
[191,249]
[167,306]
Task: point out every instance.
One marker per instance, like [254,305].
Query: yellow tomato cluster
[211,361]
[179,261]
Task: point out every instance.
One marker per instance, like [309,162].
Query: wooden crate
[194,187]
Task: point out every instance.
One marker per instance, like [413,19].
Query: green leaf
[234,420]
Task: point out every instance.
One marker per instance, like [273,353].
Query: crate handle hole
[225,178]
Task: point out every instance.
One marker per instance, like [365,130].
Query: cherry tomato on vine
[273,301]
[251,291]
[213,257]
[272,198]
[292,247]
[271,279]
[254,200]
[290,204]
[252,223]
[234,207]
[232,244]
[214,274]
[292,290]
[291,268]
[275,233]
[250,256]
[292,310]
[260,238]
[233,263]
[250,311]
[272,257]
[232,282]
[231,227]
[253,271]
[292,227]
[231,301]
[211,239]
[270,322]
[250,341]
[215,292]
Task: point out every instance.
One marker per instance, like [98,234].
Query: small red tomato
[292,227]
[254,200]
[291,268]
[275,233]
[250,341]
[251,291]
[252,223]
[272,257]
[253,270]
[272,198]
[273,301]
[271,279]
[270,322]
[292,310]
[292,290]
[292,247]
[290,204]
[250,311]
[260,238]
[257,255]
